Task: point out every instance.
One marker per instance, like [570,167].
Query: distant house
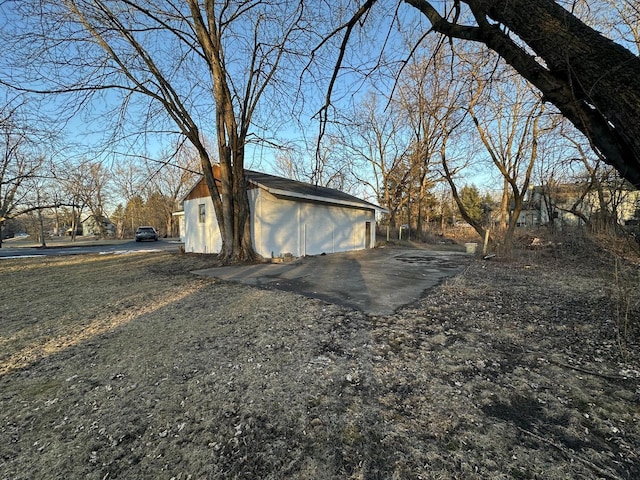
[91,226]
[557,204]
[287,217]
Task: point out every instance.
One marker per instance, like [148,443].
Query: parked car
[146,233]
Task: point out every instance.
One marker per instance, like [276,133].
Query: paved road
[9,250]
[376,281]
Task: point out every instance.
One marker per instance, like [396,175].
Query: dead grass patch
[130,367]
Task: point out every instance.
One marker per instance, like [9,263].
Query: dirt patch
[130,367]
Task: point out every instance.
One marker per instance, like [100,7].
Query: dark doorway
[367,235]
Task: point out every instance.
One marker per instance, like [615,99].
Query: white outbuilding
[287,218]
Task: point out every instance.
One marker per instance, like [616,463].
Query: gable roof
[284,187]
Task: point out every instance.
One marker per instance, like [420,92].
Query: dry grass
[130,367]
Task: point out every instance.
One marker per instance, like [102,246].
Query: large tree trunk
[227,222]
[596,71]
[592,80]
[243,244]
[231,205]
[231,198]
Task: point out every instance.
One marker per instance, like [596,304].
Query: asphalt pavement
[17,248]
[376,281]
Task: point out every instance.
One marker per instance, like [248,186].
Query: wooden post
[486,242]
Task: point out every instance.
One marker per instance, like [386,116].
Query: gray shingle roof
[286,187]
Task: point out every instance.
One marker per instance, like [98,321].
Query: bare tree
[20,161]
[129,180]
[327,165]
[593,191]
[447,137]
[374,141]
[42,198]
[96,186]
[194,63]
[430,99]
[451,168]
[589,78]
[169,178]
[510,129]
[84,185]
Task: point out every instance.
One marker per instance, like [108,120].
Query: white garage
[287,217]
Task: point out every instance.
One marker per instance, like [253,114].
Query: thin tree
[510,130]
[376,142]
[84,186]
[20,161]
[171,176]
[43,189]
[430,99]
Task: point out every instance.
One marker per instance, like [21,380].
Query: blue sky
[87,126]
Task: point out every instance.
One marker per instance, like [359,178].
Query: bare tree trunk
[504,206]
[43,243]
[75,216]
[243,244]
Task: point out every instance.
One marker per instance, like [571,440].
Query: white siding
[201,237]
[179,218]
[282,226]
[274,224]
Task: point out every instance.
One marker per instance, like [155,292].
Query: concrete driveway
[376,281]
